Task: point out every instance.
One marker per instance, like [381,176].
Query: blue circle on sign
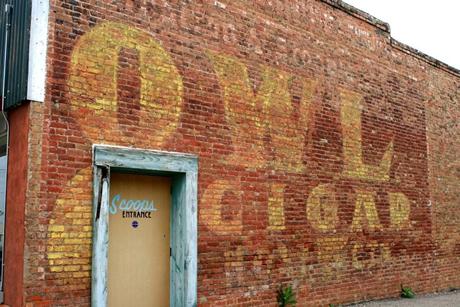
[135,224]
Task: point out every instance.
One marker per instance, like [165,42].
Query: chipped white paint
[100,240]
[220,5]
[37,50]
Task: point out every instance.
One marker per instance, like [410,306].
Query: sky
[431,26]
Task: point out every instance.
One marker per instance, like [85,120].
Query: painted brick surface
[443,131]
[328,159]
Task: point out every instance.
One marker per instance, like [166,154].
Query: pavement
[445,299]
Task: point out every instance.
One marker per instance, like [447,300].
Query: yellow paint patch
[399,211]
[276,207]
[271,109]
[322,208]
[354,167]
[330,249]
[211,208]
[242,111]
[70,233]
[365,212]
[370,254]
[287,135]
[93,86]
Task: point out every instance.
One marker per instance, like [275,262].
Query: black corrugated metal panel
[2,38]
[18,50]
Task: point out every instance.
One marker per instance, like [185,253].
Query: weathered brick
[328,153]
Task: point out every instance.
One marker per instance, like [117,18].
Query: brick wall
[328,156]
[443,131]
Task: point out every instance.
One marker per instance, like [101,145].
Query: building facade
[279,143]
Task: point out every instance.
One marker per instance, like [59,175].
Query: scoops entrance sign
[132,208]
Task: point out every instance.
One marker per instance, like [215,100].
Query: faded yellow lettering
[365,210]
[250,113]
[93,86]
[287,135]
[276,207]
[399,211]
[211,207]
[241,110]
[331,255]
[330,249]
[322,208]
[70,228]
[370,254]
[354,167]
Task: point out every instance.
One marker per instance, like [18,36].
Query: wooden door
[139,245]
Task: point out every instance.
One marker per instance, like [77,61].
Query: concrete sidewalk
[445,299]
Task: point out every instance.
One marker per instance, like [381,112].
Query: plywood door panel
[139,241]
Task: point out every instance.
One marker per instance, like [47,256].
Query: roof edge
[353,11]
[425,57]
[384,26]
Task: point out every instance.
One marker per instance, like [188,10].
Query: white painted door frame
[183,169]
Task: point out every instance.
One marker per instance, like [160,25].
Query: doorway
[139,245]
[144,228]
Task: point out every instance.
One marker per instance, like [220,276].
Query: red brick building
[303,147]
